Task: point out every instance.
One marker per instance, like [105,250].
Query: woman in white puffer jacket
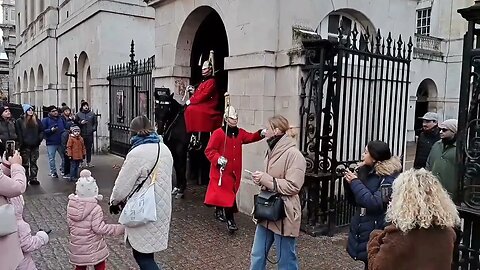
[147,148]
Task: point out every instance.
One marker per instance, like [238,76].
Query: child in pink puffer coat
[87,227]
[28,242]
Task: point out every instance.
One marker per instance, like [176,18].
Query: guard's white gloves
[222,161]
[187,102]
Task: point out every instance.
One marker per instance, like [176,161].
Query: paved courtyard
[197,241]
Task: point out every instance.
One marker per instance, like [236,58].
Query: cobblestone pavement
[197,241]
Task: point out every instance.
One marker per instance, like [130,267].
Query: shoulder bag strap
[275,185]
[149,173]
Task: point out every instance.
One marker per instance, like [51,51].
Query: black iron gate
[352,91]
[131,94]
[468,145]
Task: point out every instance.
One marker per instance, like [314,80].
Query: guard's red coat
[202,114]
[224,195]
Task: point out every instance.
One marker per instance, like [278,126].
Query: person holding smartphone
[7,128]
[372,178]
[12,184]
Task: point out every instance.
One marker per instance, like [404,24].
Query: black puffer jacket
[426,139]
[29,136]
[7,130]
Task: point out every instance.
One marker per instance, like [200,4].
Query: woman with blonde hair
[284,175]
[421,235]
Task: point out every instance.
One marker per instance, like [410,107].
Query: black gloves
[115,209]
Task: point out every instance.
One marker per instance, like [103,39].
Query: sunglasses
[444,129]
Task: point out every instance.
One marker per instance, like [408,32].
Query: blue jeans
[285,248]
[146,261]
[74,164]
[51,150]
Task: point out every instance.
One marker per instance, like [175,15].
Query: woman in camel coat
[285,166]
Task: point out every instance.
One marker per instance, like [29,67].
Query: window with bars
[423,21]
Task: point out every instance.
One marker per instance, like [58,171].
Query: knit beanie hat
[379,150]
[3,108]
[450,124]
[74,128]
[26,107]
[86,186]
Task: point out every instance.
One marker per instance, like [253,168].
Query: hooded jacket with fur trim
[87,228]
[367,194]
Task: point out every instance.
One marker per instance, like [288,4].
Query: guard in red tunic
[202,114]
[224,151]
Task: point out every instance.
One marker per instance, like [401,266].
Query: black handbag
[269,205]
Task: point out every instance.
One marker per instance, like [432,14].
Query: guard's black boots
[231,226]
[220,214]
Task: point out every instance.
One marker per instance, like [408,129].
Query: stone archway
[65,95]
[39,88]
[83,79]
[425,92]
[202,31]
[31,88]
[18,90]
[23,91]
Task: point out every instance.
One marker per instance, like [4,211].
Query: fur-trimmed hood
[389,166]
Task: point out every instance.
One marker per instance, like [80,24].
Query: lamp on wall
[75,75]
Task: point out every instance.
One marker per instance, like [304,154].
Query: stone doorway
[426,90]
[211,35]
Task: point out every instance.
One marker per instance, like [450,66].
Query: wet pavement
[197,241]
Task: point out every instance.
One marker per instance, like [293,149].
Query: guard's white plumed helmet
[230,112]
[206,64]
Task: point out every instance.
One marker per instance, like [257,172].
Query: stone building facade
[50,33]
[9,42]
[436,67]
[256,45]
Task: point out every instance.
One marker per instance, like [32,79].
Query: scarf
[139,140]
[272,141]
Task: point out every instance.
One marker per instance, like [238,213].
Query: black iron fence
[131,94]
[352,91]
[467,256]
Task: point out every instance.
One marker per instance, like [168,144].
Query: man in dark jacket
[53,128]
[87,121]
[430,134]
[7,128]
[30,136]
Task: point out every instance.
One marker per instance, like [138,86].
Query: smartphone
[10,148]
[249,172]
[386,191]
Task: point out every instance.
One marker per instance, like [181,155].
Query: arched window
[346,19]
